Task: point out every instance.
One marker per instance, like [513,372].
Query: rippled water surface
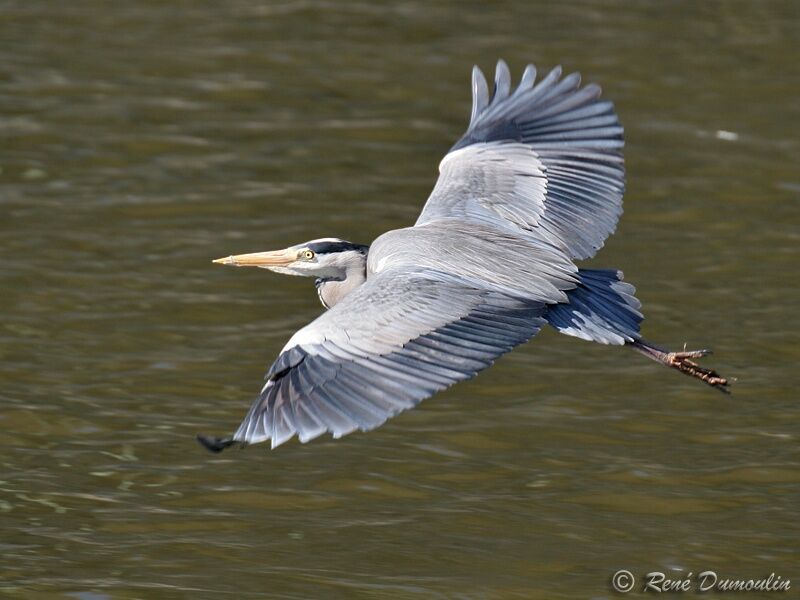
[140,140]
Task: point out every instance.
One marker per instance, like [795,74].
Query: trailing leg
[683,363]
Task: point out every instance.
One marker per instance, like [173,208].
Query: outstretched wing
[544,161]
[394,341]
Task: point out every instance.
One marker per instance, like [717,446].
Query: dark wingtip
[214,444]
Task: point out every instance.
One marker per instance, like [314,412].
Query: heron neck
[332,290]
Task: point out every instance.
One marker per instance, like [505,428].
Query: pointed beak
[276,258]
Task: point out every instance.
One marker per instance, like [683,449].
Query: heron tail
[602,309]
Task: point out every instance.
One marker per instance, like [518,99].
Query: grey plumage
[602,308]
[535,183]
[405,336]
[555,132]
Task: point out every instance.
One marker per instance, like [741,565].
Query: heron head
[326,258]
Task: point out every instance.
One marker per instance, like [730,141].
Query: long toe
[691,353]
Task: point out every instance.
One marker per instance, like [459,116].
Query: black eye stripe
[330,247]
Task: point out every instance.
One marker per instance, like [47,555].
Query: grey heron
[534,185]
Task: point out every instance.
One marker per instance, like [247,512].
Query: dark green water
[140,140]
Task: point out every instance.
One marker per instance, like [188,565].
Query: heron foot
[682,362]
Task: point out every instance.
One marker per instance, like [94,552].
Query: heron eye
[307,254]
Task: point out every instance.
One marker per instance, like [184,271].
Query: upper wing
[394,341]
[544,161]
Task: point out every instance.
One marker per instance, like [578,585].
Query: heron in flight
[534,185]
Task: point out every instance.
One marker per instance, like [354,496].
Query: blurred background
[139,140]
